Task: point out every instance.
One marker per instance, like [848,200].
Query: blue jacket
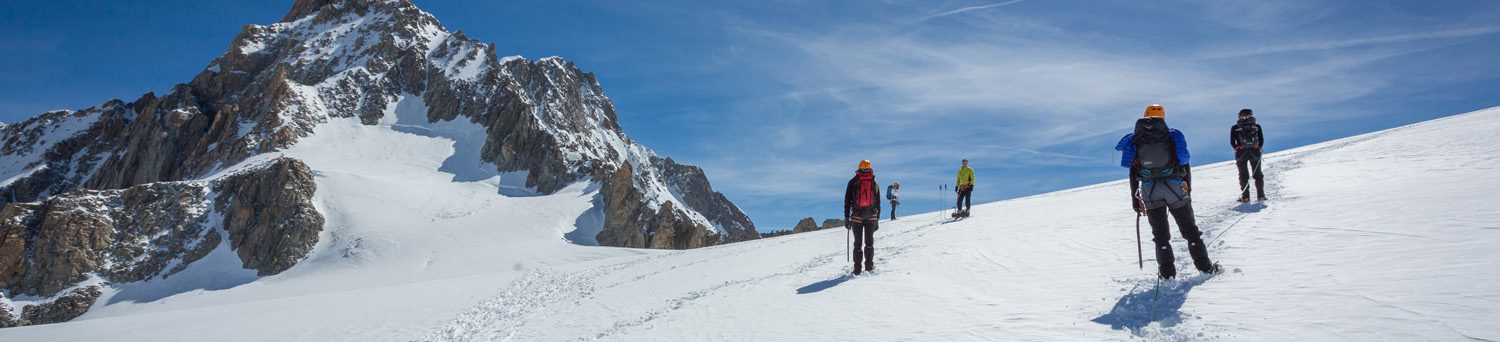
[1127,159]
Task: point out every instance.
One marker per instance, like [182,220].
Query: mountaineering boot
[856,268]
[1166,273]
[1246,199]
[1199,252]
[1215,269]
[1165,267]
[869,266]
[1262,198]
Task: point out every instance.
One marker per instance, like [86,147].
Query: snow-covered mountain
[1383,236]
[236,160]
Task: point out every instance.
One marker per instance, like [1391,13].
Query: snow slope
[1384,236]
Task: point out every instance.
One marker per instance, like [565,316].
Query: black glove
[1135,203]
[848,224]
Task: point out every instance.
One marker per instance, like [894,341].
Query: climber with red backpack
[1161,183]
[862,210]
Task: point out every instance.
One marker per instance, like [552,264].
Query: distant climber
[891,193]
[862,210]
[965,188]
[1161,182]
[1246,138]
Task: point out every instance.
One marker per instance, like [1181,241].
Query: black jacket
[1247,126]
[851,206]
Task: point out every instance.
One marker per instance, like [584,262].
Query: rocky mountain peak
[303,8]
[350,61]
[329,8]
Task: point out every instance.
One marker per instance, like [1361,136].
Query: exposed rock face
[7,319]
[697,194]
[67,238]
[135,234]
[269,215]
[633,223]
[805,225]
[62,309]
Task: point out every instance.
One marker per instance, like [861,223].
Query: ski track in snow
[1144,309]
[522,299]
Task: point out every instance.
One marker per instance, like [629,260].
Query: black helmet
[1247,112]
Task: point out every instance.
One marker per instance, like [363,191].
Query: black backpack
[1155,153]
[1247,134]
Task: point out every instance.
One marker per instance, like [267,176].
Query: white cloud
[969,9]
[1278,47]
[1014,91]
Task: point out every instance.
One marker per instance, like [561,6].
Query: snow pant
[1251,167]
[964,198]
[1162,236]
[894,204]
[864,242]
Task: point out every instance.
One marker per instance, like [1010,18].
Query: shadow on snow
[1249,207]
[824,285]
[1138,309]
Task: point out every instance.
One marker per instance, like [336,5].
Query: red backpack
[866,196]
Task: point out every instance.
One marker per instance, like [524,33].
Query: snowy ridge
[49,129]
[584,127]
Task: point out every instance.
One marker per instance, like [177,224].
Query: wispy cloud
[1274,47]
[969,9]
[1036,101]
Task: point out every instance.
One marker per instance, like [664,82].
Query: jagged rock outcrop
[137,233]
[7,319]
[635,224]
[66,307]
[805,225]
[269,215]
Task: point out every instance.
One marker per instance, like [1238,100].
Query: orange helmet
[864,164]
[1156,111]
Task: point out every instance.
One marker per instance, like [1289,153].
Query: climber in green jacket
[964,186]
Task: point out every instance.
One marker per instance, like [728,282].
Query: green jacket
[965,175]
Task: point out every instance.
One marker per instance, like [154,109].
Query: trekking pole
[944,205]
[847,258]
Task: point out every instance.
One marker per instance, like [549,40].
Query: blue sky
[778,99]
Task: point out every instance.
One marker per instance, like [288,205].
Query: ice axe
[1140,256]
